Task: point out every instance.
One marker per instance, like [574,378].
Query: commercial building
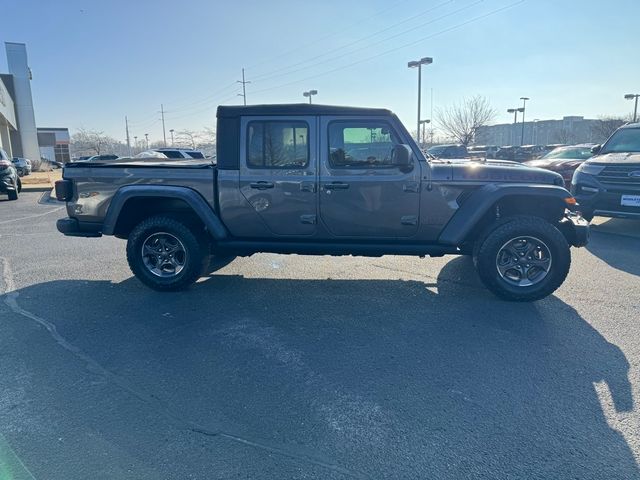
[569,130]
[54,144]
[19,136]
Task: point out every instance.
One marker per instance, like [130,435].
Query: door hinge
[411,187]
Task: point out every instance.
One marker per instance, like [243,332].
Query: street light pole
[515,121]
[146,136]
[309,94]
[171,132]
[631,96]
[423,123]
[524,106]
[414,64]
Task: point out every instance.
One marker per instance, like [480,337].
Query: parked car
[483,151]
[23,165]
[366,190]
[174,153]
[82,159]
[608,184]
[532,152]
[564,160]
[102,158]
[448,151]
[46,164]
[10,183]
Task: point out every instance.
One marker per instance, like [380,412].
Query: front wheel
[165,254]
[523,260]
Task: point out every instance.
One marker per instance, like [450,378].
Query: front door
[362,193]
[278,178]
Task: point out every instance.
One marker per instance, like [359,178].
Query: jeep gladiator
[325,180]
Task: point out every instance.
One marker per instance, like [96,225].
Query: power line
[383,40]
[472,20]
[374,34]
[328,35]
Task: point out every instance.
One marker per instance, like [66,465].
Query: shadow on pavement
[618,251]
[392,378]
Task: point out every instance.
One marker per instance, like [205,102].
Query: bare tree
[604,127]
[187,139]
[463,120]
[565,136]
[93,142]
[88,141]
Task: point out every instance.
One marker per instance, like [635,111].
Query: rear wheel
[165,254]
[12,194]
[524,259]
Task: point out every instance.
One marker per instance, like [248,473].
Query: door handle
[336,186]
[261,185]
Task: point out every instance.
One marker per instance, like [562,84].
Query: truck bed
[146,162]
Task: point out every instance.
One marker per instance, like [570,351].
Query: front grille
[620,174]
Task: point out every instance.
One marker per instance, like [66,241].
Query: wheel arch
[492,202]
[131,204]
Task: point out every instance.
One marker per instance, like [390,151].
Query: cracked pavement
[311,367]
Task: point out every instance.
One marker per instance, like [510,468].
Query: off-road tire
[485,258]
[194,244]
[12,194]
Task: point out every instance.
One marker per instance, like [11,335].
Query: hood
[554,162]
[626,158]
[494,172]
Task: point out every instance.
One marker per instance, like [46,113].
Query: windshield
[623,140]
[579,153]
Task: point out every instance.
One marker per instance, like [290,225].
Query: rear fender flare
[192,198]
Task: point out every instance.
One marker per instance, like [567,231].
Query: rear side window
[195,154]
[277,144]
[361,144]
[172,153]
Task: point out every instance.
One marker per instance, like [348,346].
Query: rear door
[278,172]
[362,193]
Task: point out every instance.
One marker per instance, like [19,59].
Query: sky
[95,61]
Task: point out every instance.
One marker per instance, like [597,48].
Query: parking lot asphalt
[311,367]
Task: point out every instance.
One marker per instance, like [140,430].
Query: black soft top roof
[235,111]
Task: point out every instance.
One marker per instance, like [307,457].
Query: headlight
[590,169]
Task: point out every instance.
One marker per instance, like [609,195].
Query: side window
[361,144]
[277,144]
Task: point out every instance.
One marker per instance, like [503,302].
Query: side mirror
[596,149]
[402,157]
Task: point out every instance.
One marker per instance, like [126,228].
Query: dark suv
[448,151]
[9,180]
[608,184]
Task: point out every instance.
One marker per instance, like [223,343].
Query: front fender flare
[480,201]
[192,198]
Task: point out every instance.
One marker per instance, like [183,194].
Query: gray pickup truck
[324,180]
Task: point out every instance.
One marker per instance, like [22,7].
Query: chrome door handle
[336,186]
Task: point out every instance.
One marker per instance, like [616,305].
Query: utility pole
[164,134]
[414,64]
[244,90]
[171,132]
[126,127]
[524,105]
